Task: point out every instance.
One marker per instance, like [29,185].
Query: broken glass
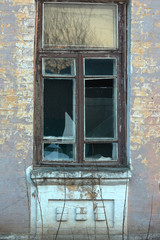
[54,151]
[59,108]
[101,151]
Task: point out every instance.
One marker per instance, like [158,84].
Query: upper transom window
[80,25]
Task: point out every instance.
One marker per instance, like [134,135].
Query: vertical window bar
[81,109]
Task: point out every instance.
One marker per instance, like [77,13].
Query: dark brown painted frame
[119,54]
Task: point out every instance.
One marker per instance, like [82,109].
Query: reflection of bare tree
[59,66]
[67,26]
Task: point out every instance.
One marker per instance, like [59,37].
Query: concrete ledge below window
[49,175]
[79,199]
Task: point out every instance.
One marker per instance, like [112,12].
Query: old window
[80,88]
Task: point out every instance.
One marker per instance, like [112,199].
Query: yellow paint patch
[22,2]
[138,4]
[21,145]
[137,139]
[141,79]
[72,188]
[145,162]
[157,24]
[2,141]
[156,12]
[2,44]
[2,70]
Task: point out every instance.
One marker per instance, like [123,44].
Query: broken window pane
[59,108]
[58,66]
[79,25]
[54,151]
[100,67]
[101,151]
[100,108]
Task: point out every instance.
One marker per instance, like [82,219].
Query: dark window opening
[80,89]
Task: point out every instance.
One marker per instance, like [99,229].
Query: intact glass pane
[79,25]
[59,108]
[101,151]
[54,151]
[100,108]
[100,67]
[58,66]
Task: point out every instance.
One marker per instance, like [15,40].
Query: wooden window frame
[119,54]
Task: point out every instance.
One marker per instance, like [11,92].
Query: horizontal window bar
[98,164]
[50,138]
[100,140]
[58,142]
[50,50]
[99,78]
[58,77]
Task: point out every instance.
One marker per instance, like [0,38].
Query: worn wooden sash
[87,1]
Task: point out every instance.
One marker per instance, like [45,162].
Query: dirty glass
[79,25]
[59,108]
[100,67]
[54,151]
[100,108]
[101,151]
[58,66]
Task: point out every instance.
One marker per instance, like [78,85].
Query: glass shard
[58,108]
[54,151]
[101,151]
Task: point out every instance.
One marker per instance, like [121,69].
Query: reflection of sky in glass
[96,21]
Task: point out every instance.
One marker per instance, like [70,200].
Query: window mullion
[80,105]
[77,110]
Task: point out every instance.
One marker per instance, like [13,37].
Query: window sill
[47,176]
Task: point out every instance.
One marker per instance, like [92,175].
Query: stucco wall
[16,110]
[16,114]
[145,116]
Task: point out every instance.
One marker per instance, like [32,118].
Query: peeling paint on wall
[145,115]
[16,110]
[16,114]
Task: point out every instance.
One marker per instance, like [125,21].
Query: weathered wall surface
[16,113]
[145,116]
[16,110]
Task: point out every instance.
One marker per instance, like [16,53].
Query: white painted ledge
[48,175]
[80,198]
